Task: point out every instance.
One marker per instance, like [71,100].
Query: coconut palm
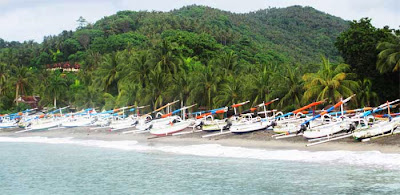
[330,82]
[230,92]
[389,56]
[56,87]
[206,85]
[109,71]
[3,77]
[155,92]
[165,58]
[291,87]
[138,67]
[181,87]
[228,60]
[22,78]
[261,86]
[365,95]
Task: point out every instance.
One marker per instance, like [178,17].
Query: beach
[258,139]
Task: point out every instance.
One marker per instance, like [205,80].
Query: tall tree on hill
[228,61]
[22,78]
[389,56]
[155,92]
[207,83]
[261,83]
[291,87]
[365,95]
[109,72]
[330,82]
[230,92]
[56,87]
[3,77]
[167,61]
[358,48]
[139,66]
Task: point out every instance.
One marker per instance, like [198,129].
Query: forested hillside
[196,54]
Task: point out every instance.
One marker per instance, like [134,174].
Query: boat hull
[77,123]
[170,128]
[325,130]
[377,129]
[244,128]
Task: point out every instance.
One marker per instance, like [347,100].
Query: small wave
[357,158]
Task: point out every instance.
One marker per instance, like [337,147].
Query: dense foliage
[195,54]
[360,46]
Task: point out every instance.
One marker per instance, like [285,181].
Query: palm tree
[139,67]
[365,95]
[165,58]
[389,56]
[228,60]
[292,87]
[93,61]
[56,86]
[207,84]
[230,91]
[158,82]
[22,78]
[329,82]
[181,87]
[3,77]
[109,71]
[261,86]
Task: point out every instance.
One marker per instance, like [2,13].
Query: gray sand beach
[257,139]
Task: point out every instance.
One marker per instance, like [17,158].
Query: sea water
[39,165]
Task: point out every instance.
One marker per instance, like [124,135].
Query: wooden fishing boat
[43,124]
[377,129]
[326,130]
[248,124]
[78,122]
[171,128]
[8,124]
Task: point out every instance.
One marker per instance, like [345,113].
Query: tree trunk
[55,102]
[16,94]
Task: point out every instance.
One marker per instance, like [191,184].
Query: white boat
[127,123]
[248,124]
[161,122]
[379,128]
[215,125]
[211,124]
[171,128]
[78,122]
[8,124]
[326,130]
[288,125]
[43,124]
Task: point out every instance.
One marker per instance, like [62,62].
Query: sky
[22,20]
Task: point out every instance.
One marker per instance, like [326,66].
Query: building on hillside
[32,101]
[64,66]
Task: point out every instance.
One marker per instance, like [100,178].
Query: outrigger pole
[301,109]
[263,105]
[162,107]
[178,110]
[379,108]
[303,125]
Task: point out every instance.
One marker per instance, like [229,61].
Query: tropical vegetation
[202,55]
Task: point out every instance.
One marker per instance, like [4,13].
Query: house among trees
[32,101]
[64,66]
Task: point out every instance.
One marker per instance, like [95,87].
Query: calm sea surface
[40,165]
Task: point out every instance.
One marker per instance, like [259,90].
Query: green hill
[290,34]
[196,54]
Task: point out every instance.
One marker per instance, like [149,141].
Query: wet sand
[257,139]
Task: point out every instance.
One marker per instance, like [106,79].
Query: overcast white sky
[32,19]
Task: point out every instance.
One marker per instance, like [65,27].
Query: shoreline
[256,140]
